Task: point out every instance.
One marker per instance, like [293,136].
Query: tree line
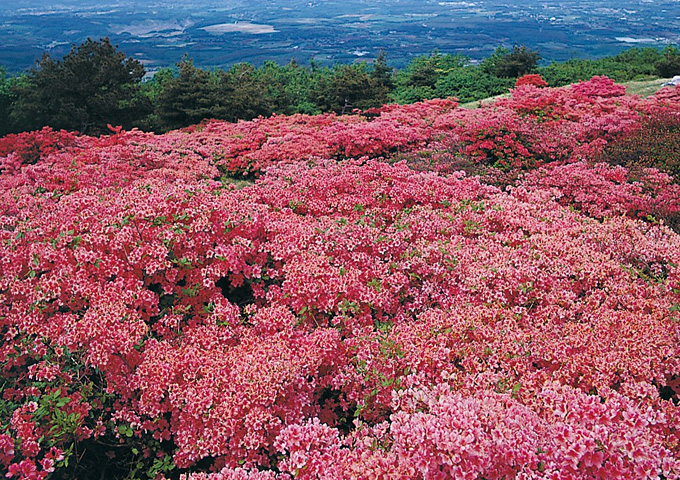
[96,85]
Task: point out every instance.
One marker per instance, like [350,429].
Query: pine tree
[382,77]
[95,84]
[186,99]
[5,103]
[669,65]
[512,64]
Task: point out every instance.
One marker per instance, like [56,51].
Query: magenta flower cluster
[345,316]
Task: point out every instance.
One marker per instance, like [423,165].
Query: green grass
[645,88]
[238,183]
[476,103]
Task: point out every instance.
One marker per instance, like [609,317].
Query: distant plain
[219,34]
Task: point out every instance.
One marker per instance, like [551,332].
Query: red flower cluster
[344,317]
[531,79]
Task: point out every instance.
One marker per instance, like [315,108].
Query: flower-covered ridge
[419,291]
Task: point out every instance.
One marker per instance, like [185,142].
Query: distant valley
[160,32]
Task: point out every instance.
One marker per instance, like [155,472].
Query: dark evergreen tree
[669,65]
[187,98]
[513,63]
[422,71]
[382,74]
[420,79]
[274,80]
[382,77]
[152,90]
[345,88]
[241,95]
[5,103]
[95,84]
[471,83]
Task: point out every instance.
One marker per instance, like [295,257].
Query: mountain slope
[363,309]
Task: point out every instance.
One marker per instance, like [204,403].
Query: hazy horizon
[216,34]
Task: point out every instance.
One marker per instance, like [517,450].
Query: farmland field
[160,32]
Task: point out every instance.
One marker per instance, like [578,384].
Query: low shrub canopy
[358,307]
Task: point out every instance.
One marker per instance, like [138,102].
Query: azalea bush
[341,314]
[531,79]
[654,143]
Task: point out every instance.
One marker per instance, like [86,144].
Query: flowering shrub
[604,191]
[29,147]
[531,79]
[341,316]
[655,143]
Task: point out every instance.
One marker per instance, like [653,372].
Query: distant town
[160,32]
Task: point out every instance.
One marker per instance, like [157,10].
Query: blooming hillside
[417,292]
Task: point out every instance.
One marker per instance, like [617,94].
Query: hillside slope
[363,309]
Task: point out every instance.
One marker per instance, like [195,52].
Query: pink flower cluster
[534,126]
[531,79]
[602,191]
[343,316]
